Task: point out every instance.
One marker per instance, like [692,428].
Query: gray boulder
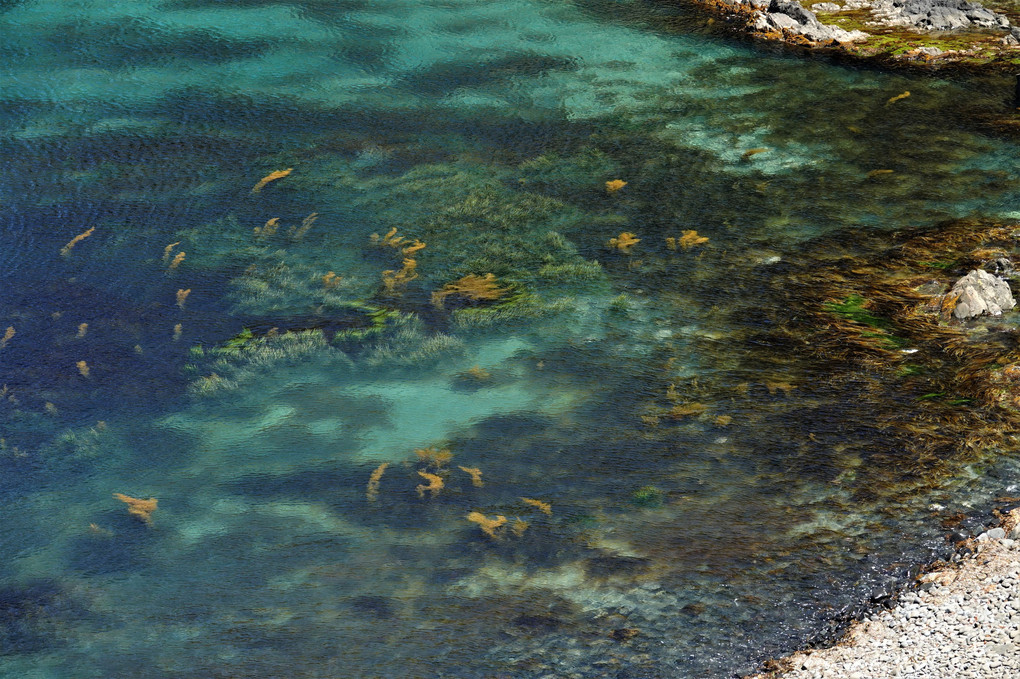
[979,292]
[791,16]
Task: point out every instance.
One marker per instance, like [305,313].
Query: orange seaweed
[330,280]
[898,97]
[297,233]
[182,295]
[178,258]
[434,486]
[139,508]
[746,155]
[394,279]
[487,525]
[471,287]
[66,250]
[8,336]
[476,373]
[372,491]
[614,185]
[625,242]
[167,249]
[690,238]
[268,229]
[434,457]
[83,368]
[544,507]
[271,177]
[475,474]
[391,239]
[414,247]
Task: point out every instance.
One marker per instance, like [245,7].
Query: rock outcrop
[935,15]
[978,293]
[790,15]
[794,22]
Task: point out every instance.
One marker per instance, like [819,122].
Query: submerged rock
[979,292]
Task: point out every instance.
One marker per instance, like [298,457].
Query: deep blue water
[256,405]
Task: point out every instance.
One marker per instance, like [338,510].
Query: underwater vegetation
[476,475]
[271,177]
[434,457]
[543,507]
[330,280]
[372,490]
[488,526]
[614,185]
[625,242]
[688,239]
[395,280]
[312,352]
[750,153]
[141,509]
[391,239]
[898,97]
[66,250]
[168,249]
[176,261]
[470,287]
[435,484]
[877,323]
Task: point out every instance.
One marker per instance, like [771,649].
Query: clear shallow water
[488,132]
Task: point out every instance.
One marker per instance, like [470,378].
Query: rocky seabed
[964,622]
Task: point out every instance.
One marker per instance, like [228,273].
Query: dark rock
[882,594]
[957,537]
[624,633]
[793,10]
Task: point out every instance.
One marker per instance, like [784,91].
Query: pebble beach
[963,621]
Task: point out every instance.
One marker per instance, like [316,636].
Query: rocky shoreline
[963,620]
[928,33]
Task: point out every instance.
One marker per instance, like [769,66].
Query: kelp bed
[904,394]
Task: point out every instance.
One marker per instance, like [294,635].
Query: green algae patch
[969,47]
[854,308]
[648,497]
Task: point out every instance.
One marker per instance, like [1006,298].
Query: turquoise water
[256,406]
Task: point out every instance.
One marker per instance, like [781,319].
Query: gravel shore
[964,622]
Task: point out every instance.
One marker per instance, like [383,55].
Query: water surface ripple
[601,459]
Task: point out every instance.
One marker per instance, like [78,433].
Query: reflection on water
[408,409]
